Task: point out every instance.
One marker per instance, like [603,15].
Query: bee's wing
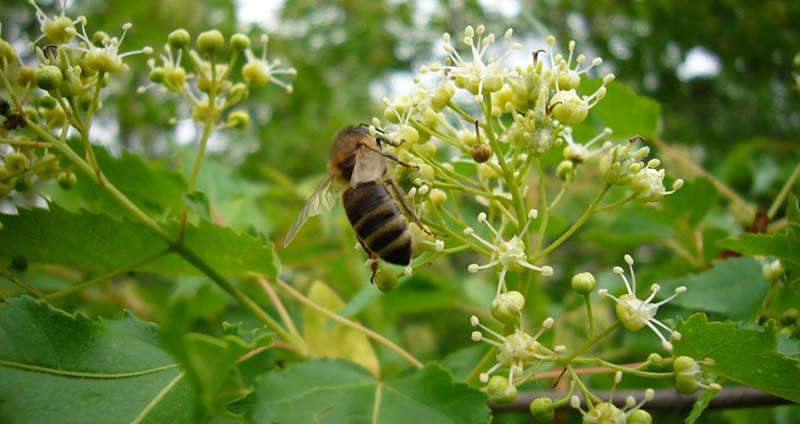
[322,200]
[369,166]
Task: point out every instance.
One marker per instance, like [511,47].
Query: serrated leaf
[99,243]
[56,367]
[700,405]
[336,391]
[211,364]
[744,355]
[784,244]
[734,288]
[197,202]
[149,184]
[335,341]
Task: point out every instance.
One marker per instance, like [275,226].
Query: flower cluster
[608,413]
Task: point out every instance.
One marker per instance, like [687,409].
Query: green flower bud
[60,30]
[238,119]
[157,75]
[7,53]
[438,197]
[654,359]
[48,77]
[639,416]
[47,101]
[408,134]
[568,107]
[773,271]
[210,42]
[239,92]
[569,80]
[23,184]
[427,149]
[99,38]
[500,390]
[442,95]
[16,162]
[240,42]
[506,307]
[26,76]
[584,283]
[485,171]
[46,167]
[386,280]
[565,170]
[256,73]
[425,172]
[687,372]
[542,409]
[481,152]
[175,76]
[67,180]
[179,39]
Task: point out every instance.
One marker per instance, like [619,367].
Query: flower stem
[276,302]
[574,226]
[25,286]
[476,371]
[588,300]
[542,206]
[208,125]
[591,342]
[352,324]
[776,204]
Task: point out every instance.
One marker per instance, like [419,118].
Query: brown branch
[664,400]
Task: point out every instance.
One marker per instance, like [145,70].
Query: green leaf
[741,354]
[197,202]
[734,288]
[211,364]
[336,391]
[793,209]
[626,112]
[690,204]
[318,333]
[784,244]
[69,369]
[100,243]
[700,405]
[149,184]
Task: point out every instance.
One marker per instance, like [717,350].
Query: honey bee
[357,164]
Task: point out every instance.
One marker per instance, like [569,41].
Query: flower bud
[584,283]
[7,53]
[568,107]
[60,30]
[442,95]
[67,180]
[569,80]
[179,39]
[46,167]
[686,374]
[481,152]
[773,271]
[386,280]
[26,76]
[506,307]
[238,119]
[427,149]
[23,184]
[240,42]
[501,390]
[209,42]
[425,172]
[542,409]
[438,197]
[639,416]
[239,92]
[256,73]
[565,170]
[47,101]
[16,162]
[99,38]
[48,77]
[409,134]
[654,359]
[486,171]
[175,76]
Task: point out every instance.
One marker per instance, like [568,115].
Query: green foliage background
[742,125]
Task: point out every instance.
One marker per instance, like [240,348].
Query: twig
[665,399]
[776,204]
[276,302]
[344,321]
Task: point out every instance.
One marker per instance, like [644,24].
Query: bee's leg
[398,194]
[374,267]
[388,156]
[365,125]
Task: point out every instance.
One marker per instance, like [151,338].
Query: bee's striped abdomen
[378,222]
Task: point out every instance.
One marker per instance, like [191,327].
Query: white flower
[509,254]
[648,184]
[515,351]
[579,153]
[607,412]
[106,57]
[565,76]
[259,71]
[636,313]
[59,29]
[481,74]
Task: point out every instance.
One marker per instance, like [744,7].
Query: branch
[664,400]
